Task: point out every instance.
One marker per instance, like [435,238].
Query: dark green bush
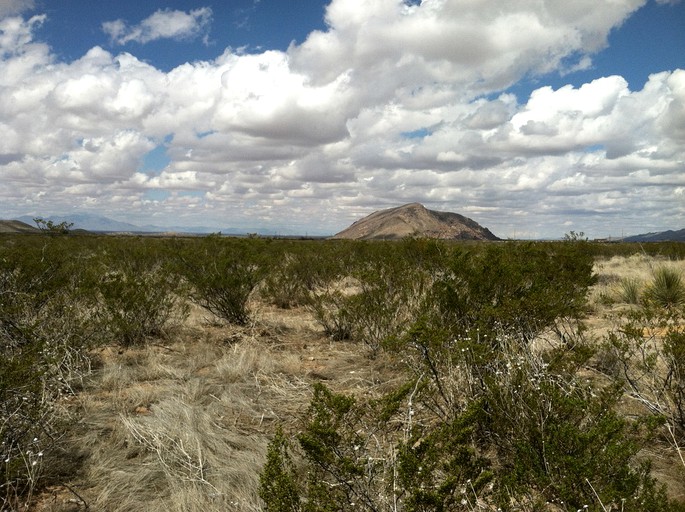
[515,288]
[222,274]
[558,435]
[277,482]
[380,292]
[138,292]
[296,269]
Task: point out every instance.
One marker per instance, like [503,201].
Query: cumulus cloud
[13,7]
[392,103]
[163,24]
[470,48]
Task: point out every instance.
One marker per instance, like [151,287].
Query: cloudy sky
[533,117]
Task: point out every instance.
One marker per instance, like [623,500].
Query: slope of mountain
[16,226]
[663,236]
[98,223]
[88,221]
[415,220]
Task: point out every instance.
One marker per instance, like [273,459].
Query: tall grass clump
[667,289]
[629,290]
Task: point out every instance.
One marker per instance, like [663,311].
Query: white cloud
[471,48]
[13,7]
[386,106]
[163,24]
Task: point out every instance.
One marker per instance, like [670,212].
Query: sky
[532,117]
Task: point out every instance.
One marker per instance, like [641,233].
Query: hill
[16,226]
[663,236]
[415,220]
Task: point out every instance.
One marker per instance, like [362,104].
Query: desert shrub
[277,482]
[667,289]
[558,436]
[136,306]
[370,456]
[439,467]
[26,423]
[295,271]
[288,281]
[222,274]
[44,335]
[514,288]
[537,433]
[138,294]
[649,352]
[380,292]
[329,306]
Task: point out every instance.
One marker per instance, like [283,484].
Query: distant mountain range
[409,220]
[416,220]
[663,236]
[99,223]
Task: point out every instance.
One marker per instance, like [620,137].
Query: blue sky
[75,26]
[532,118]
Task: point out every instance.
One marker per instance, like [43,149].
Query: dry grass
[184,425]
[615,273]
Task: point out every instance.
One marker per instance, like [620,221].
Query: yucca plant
[666,289]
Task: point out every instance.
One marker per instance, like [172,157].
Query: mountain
[88,222]
[16,226]
[663,236]
[415,220]
[99,223]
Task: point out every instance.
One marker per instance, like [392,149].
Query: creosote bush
[222,273]
[43,338]
[138,294]
[377,290]
[648,351]
[514,288]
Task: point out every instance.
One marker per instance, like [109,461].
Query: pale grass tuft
[184,425]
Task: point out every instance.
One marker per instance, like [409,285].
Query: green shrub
[44,334]
[295,272]
[667,289]
[558,435]
[379,293]
[288,281]
[329,307]
[649,349]
[222,274]
[514,288]
[137,304]
[277,482]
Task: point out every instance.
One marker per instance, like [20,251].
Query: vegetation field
[225,374]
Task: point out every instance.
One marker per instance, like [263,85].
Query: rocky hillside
[664,236]
[415,220]
[16,226]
